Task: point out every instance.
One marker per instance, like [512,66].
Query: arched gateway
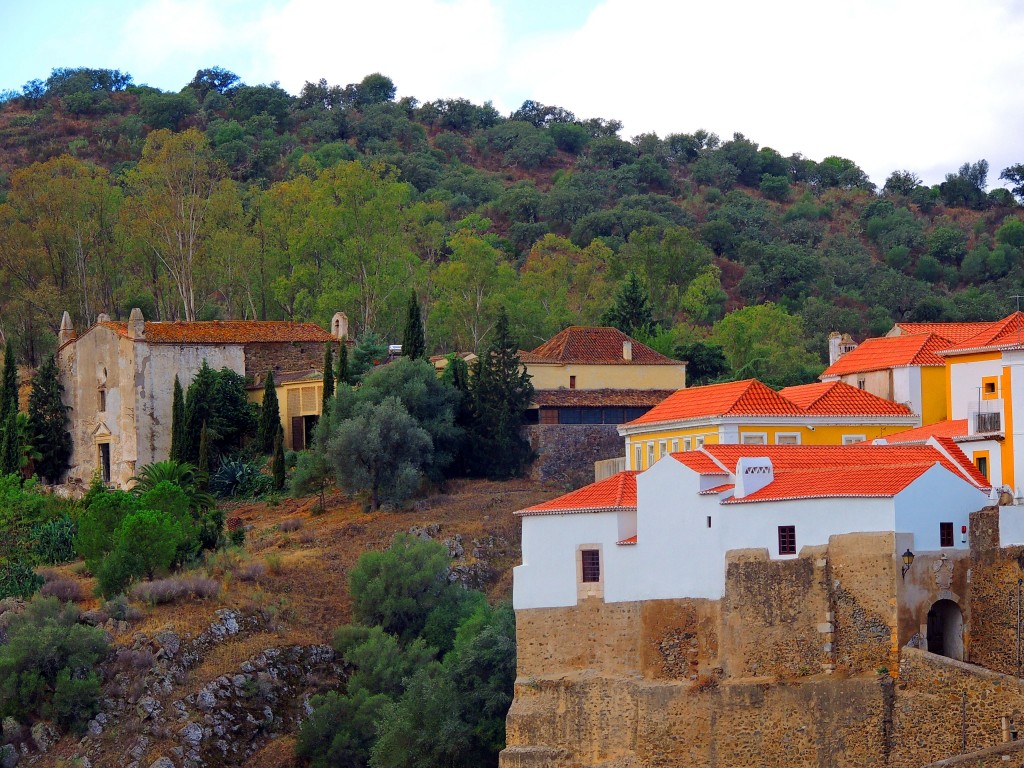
[946,630]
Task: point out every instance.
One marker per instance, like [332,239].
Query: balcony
[988,422]
[985,417]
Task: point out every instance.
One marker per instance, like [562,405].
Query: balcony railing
[988,422]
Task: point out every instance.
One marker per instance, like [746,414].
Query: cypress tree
[10,446]
[270,417]
[204,451]
[177,421]
[343,373]
[48,421]
[631,313]
[501,394]
[197,411]
[9,384]
[328,377]
[278,465]
[414,345]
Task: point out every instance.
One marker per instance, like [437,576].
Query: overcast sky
[889,84]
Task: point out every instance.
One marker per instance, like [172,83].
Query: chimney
[136,325]
[627,350]
[67,330]
[339,326]
[752,474]
[833,347]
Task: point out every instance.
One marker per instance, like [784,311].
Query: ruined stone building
[118,379]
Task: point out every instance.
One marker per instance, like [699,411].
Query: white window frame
[675,446]
[787,434]
[638,455]
[662,448]
[762,435]
[851,439]
[687,444]
[650,454]
[699,442]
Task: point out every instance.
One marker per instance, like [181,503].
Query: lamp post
[908,560]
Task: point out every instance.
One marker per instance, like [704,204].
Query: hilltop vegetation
[230,200]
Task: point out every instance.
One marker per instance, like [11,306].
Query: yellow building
[598,375]
[751,413]
[300,400]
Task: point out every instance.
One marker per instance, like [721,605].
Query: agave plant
[235,477]
[181,474]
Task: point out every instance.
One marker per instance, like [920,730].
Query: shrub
[54,541]
[273,563]
[145,542]
[236,531]
[17,579]
[172,590]
[291,524]
[65,590]
[234,478]
[47,665]
[96,526]
[119,610]
[251,572]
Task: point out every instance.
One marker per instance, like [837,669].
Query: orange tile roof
[836,398]
[953,429]
[717,489]
[593,346]
[879,480]
[226,332]
[955,332]
[741,398]
[630,540]
[614,493]
[701,462]
[1007,333]
[890,352]
[607,398]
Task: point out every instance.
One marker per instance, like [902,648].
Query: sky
[921,85]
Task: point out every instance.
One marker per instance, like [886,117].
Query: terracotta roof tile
[607,398]
[744,398]
[614,493]
[717,489]
[955,332]
[890,352]
[878,480]
[630,540]
[953,428]
[226,332]
[594,346]
[701,462]
[836,398]
[1007,333]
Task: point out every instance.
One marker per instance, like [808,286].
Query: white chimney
[339,325]
[136,325]
[833,347]
[627,350]
[752,474]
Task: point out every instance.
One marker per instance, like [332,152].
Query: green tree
[413,344]
[631,313]
[198,409]
[398,588]
[344,375]
[369,352]
[178,437]
[270,417]
[328,388]
[97,524]
[204,451]
[1015,175]
[764,341]
[705,363]
[10,445]
[48,421]
[501,394]
[278,461]
[341,730]
[145,543]
[9,383]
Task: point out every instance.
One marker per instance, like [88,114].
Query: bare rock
[8,756]
[45,736]
[162,762]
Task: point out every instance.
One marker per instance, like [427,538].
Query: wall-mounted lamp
[908,560]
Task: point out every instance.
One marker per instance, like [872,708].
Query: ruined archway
[946,630]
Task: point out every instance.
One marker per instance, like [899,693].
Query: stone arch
[946,629]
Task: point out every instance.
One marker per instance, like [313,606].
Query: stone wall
[566,452]
[945,707]
[1001,756]
[993,595]
[283,356]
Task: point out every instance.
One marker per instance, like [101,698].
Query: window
[757,438]
[945,534]
[638,456]
[662,448]
[590,560]
[590,415]
[853,439]
[981,462]
[700,442]
[650,454]
[787,438]
[686,443]
[988,422]
[614,416]
[675,446]
[990,388]
[861,383]
[709,521]
[569,416]
[572,382]
[104,449]
[787,539]
[103,400]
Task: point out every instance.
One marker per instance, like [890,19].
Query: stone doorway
[946,630]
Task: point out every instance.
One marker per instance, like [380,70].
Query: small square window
[981,462]
[686,444]
[945,534]
[572,382]
[787,539]
[591,561]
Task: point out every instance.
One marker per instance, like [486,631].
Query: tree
[48,421]
[198,409]
[270,417]
[10,446]
[966,187]
[501,394]
[144,543]
[9,383]
[203,462]
[631,313]
[381,450]
[764,341]
[344,376]
[278,461]
[328,388]
[705,363]
[1015,175]
[413,344]
[901,183]
[97,524]
[178,437]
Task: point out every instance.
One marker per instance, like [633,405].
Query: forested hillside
[226,200]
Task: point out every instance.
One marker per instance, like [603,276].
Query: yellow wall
[933,394]
[546,376]
[827,434]
[294,398]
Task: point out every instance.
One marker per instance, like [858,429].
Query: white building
[663,533]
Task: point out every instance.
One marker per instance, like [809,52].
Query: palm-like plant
[181,474]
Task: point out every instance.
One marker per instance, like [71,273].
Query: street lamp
[908,560]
